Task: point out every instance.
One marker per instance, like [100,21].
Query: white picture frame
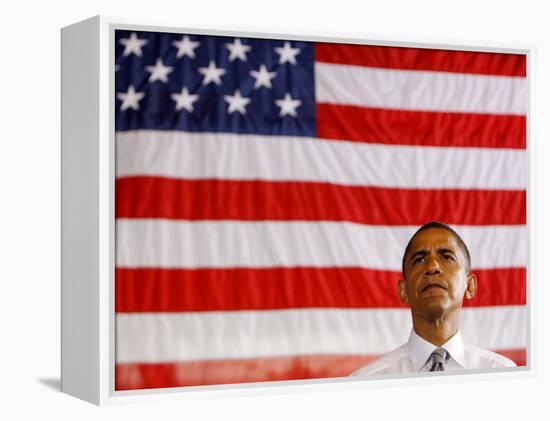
[88,219]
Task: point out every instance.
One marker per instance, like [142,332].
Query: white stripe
[498,327]
[169,337]
[420,90]
[196,244]
[280,158]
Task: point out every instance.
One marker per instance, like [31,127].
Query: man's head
[436,271]
[435,224]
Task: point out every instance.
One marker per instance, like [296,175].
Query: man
[436,279]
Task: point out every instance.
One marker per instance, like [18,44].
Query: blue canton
[214,84]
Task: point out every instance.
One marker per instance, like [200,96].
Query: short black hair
[441,225]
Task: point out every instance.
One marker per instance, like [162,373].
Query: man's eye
[449,257]
[418,260]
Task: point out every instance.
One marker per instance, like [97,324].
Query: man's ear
[471,286]
[402,290]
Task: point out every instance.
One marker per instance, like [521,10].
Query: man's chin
[433,309]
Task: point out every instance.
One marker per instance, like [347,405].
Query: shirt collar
[420,349]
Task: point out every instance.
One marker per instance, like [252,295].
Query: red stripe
[157,197]
[519,356]
[195,373]
[179,290]
[423,59]
[499,287]
[424,128]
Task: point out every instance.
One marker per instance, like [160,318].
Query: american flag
[266,190]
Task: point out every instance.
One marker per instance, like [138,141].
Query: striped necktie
[438,357]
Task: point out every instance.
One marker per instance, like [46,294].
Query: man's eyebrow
[443,250]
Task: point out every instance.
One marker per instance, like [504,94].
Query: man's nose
[433,267]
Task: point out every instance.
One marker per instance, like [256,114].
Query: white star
[186,47]
[288,105]
[263,77]
[133,45]
[211,74]
[237,50]
[184,100]
[159,71]
[236,103]
[287,53]
[130,99]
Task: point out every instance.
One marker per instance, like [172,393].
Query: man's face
[436,280]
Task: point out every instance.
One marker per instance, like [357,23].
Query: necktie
[439,356]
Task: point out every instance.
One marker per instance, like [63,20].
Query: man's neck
[436,331]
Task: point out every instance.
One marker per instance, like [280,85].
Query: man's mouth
[433,285]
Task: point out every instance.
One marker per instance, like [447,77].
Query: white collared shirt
[414,357]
